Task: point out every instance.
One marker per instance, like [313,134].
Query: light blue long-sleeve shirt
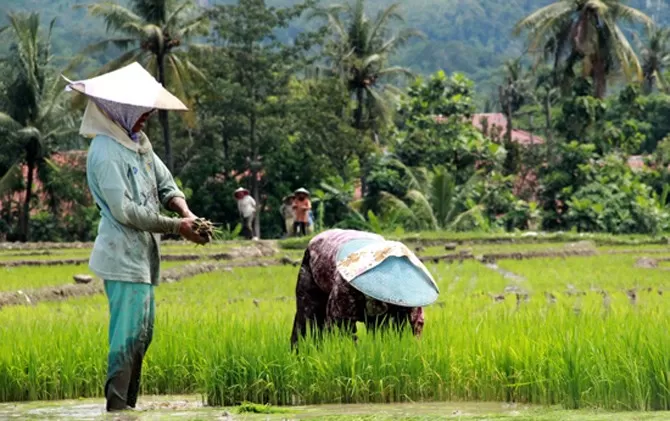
[129,184]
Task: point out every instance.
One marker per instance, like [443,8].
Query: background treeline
[371,112]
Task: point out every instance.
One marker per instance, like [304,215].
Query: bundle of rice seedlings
[204,228]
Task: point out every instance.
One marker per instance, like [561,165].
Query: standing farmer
[129,183]
[351,276]
[288,214]
[246,205]
[301,206]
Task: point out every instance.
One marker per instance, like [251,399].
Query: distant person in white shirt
[247,207]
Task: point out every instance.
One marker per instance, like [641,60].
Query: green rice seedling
[23,278]
[226,335]
[31,277]
[587,273]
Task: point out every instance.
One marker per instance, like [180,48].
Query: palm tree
[586,32]
[359,51]
[546,93]
[152,32]
[655,55]
[433,201]
[34,116]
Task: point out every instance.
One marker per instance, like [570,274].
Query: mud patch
[493,257]
[646,263]
[190,408]
[581,245]
[505,273]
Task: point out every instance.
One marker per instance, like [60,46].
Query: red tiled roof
[636,162]
[70,159]
[498,120]
[521,137]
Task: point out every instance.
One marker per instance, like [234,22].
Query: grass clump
[254,408]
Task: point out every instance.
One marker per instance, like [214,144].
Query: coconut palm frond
[175,15]
[540,17]
[632,15]
[10,179]
[116,17]
[626,55]
[422,209]
[122,43]
[442,190]
[399,40]
[179,79]
[385,16]
[194,27]
[396,70]
[8,123]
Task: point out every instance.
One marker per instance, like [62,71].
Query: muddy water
[192,408]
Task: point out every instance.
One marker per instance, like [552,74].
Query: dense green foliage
[472,37]
[274,108]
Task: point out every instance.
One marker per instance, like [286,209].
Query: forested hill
[472,36]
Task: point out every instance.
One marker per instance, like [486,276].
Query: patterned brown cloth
[325,300]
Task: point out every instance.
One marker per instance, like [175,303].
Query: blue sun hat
[386,271]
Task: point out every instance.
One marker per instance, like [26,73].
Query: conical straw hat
[131,85]
[386,271]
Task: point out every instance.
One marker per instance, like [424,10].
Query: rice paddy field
[563,336]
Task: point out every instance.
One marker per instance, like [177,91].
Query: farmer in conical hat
[351,276]
[129,183]
[246,205]
[301,206]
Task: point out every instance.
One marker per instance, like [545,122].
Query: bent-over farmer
[129,183]
[351,276]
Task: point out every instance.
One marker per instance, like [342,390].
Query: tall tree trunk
[548,125]
[506,103]
[358,114]
[255,188]
[253,143]
[648,83]
[512,159]
[163,117]
[25,215]
[599,78]
[226,143]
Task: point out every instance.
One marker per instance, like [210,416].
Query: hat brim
[129,85]
[395,281]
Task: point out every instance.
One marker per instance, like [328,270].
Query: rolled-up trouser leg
[131,307]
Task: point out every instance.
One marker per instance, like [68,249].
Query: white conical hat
[131,85]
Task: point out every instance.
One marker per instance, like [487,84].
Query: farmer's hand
[186,231]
